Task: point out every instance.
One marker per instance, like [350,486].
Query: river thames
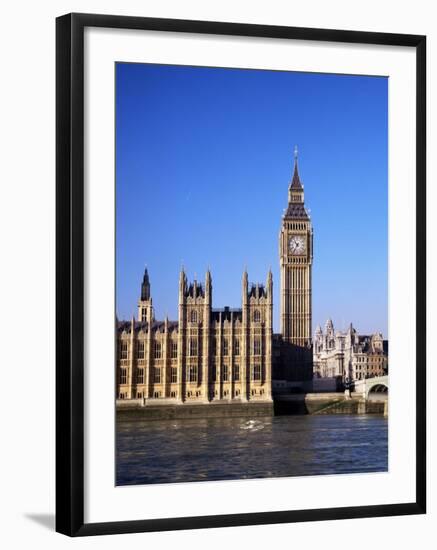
[169,451]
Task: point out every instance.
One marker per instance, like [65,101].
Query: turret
[182,285]
[329,327]
[245,287]
[269,292]
[269,285]
[145,286]
[195,287]
[318,339]
[208,287]
[145,307]
[329,334]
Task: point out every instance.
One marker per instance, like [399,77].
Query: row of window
[192,374]
[194,316]
[225,373]
[140,350]
[296,225]
[193,348]
[158,394]
[256,347]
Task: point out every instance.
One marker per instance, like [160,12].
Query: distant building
[348,356]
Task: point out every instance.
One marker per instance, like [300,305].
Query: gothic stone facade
[207,355]
[349,356]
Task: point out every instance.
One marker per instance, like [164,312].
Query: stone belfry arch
[296,258]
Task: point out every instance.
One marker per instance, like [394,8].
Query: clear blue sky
[203,161]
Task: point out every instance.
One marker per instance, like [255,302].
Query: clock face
[297,245]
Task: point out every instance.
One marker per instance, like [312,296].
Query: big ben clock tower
[296,256]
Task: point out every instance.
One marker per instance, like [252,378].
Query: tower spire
[145,286]
[295,182]
[145,308]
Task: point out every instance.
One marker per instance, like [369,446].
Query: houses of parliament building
[213,355]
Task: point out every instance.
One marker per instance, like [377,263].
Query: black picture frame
[70,273]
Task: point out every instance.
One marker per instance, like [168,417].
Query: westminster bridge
[371,388]
[369,395]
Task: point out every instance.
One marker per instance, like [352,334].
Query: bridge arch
[379,388]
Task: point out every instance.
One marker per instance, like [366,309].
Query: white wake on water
[253,425]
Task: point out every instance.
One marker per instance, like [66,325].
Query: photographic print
[251,322]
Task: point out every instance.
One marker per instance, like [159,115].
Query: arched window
[225,347]
[140,376]
[123,350]
[256,372]
[123,376]
[257,346]
[140,349]
[157,375]
[256,316]
[193,347]
[174,349]
[174,375]
[225,373]
[192,373]
[236,346]
[193,316]
[236,372]
[157,350]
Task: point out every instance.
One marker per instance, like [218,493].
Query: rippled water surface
[168,451]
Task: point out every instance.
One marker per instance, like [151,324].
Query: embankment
[327,403]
